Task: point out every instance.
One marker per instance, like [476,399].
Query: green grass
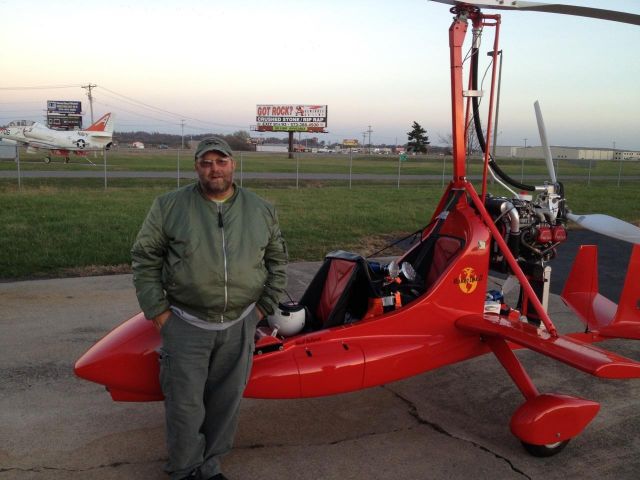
[167,160]
[59,227]
[54,227]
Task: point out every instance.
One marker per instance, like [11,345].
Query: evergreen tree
[418,139]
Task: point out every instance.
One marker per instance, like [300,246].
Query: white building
[566,153]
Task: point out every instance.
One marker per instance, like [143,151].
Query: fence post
[350,165]
[297,168]
[444,166]
[178,169]
[104,156]
[241,168]
[620,171]
[399,163]
[18,162]
[589,177]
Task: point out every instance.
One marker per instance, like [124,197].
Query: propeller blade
[622,17]
[609,226]
[545,143]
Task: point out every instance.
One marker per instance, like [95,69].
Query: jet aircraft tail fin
[600,314]
[104,124]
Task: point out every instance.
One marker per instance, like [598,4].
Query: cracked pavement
[451,423]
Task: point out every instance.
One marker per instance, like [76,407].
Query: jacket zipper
[224,254]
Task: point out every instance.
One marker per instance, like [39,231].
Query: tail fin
[598,312]
[104,124]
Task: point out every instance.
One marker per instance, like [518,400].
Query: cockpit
[21,123]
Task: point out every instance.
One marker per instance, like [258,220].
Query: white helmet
[288,319]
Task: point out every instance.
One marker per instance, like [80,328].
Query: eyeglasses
[219,162]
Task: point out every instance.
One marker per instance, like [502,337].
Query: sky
[375,63]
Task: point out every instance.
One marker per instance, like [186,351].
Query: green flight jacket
[210,260]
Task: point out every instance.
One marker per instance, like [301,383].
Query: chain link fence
[346,169]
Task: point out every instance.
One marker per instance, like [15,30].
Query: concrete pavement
[451,423]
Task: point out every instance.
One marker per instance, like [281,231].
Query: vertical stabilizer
[626,323]
[580,292]
[104,124]
[600,314]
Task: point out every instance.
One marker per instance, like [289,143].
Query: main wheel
[47,159]
[548,450]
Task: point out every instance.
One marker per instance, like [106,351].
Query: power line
[40,87]
[178,115]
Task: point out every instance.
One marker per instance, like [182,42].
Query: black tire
[47,159]
[548,450]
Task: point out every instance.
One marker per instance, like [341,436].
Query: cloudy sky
[382,63]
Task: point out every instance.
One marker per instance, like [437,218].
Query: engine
[531,227]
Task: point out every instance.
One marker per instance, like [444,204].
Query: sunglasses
[219,162]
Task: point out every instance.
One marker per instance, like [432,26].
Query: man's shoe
[192,476]
[219,476]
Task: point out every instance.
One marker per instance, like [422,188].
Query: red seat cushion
[337,279]
[444,250]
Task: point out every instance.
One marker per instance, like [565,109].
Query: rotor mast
[457,33]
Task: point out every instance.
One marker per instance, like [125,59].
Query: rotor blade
[609,226]
[545,143]
[575,10]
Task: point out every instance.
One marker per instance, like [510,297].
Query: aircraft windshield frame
[22,123]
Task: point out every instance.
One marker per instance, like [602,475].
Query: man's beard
[216,186]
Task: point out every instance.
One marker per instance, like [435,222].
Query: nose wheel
[548,450]
[47,159]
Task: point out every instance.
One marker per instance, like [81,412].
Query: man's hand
[159,320]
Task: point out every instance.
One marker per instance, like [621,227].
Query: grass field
[57,227]
[167,160]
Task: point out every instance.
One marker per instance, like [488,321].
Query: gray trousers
[203,374]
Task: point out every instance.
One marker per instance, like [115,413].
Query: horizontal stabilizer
[573,352]
[600,314]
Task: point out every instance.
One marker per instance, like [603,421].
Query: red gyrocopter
[369,325]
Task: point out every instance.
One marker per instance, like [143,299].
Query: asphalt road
[97,171]
[451,423]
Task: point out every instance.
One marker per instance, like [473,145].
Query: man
[208,264]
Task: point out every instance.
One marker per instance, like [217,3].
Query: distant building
[273,148]
[139,145]
[566,153]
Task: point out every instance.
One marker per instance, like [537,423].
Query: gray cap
[213,144]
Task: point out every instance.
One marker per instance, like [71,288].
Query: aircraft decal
[467,280]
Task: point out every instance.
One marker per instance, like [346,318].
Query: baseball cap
[213,144]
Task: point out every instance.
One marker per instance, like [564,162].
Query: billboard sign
[291,118]
[64,122]
[64,106]
[349,142]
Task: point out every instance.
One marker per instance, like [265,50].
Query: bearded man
[208,264]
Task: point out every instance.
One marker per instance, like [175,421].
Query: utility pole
[369,131]
[364,142]
[89,86]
